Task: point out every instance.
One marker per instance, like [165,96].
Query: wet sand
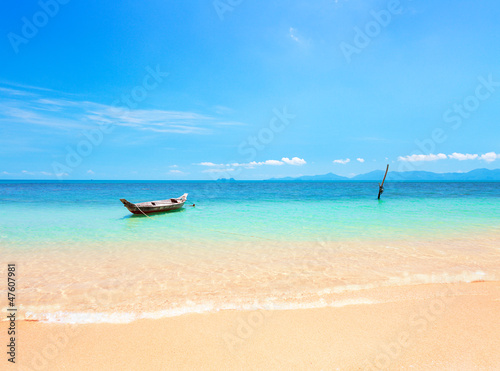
[431,327]
[117,283]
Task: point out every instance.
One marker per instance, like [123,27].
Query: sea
[82,257]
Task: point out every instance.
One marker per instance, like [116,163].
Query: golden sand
[111,280]
[421,327]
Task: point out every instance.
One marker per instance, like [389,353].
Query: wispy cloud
[177,172]
[15,112]
[360,159]
[37,108]
[14,91]
[28,88]
[221,110]
[158,121]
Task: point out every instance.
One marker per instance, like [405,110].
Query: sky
[177,90]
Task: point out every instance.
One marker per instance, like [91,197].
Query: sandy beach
[250,185]
[425,327]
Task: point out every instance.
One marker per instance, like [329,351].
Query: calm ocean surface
[58,212]
[84,258]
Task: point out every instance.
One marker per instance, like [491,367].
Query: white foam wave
[51,315]
[128,317]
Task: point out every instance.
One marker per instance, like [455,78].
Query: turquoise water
[56,212]
[83,258]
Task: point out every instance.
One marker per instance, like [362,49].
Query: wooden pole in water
[381,186]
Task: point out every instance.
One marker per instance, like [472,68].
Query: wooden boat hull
[146,210]
[160,206]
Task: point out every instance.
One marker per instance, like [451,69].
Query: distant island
[377,175]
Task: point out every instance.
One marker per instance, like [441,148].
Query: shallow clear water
[66,212]
[84,258]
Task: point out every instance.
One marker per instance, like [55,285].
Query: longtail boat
[155,206]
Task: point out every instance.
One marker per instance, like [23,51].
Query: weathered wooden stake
[381,186]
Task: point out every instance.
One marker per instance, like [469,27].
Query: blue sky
[247,89]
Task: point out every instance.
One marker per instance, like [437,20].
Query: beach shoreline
[116,284]
[431,326]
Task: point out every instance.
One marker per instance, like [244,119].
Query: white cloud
[90,172]
[360,160]
[463,157]
[176,172]
[174,166]
[267,162]
[417,158]
[343,162]
[294,161]
[490,156]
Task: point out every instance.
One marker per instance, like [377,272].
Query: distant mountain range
[377,175]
